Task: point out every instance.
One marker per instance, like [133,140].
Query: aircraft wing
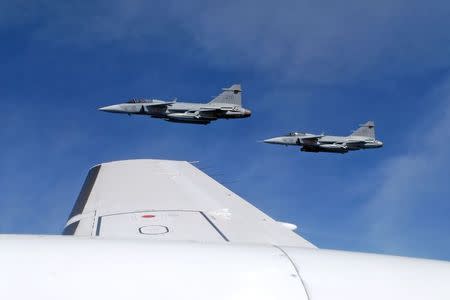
[209,109]
[170,200]
[217,109]
[354,143]
[212,112]
[209,112]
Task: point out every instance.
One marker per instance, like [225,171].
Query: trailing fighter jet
[362,138]
[227,105]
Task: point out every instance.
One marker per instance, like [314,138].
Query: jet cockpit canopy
[138,101]
[294,133]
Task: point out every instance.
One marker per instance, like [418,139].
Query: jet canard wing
[170,200]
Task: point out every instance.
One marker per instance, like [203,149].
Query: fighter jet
[362,138]
[227,105]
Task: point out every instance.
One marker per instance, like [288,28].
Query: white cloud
[409,188]
[326,42]
[322,42]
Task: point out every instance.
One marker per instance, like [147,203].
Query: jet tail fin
[367,130]
[231,95]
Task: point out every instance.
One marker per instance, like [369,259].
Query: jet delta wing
[227,105]
[362,138]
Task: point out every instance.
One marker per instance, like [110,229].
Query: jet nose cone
[111,108]
[275,140]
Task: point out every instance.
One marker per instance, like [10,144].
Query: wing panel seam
[214,226]
[296,270]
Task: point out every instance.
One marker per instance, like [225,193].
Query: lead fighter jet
[227,105]
[362,138]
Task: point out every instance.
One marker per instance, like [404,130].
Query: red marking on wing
[148,216]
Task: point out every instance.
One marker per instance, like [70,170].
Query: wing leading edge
[169,200]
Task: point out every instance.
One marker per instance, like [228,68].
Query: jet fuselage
[181,111]
[326,143]
[227,105]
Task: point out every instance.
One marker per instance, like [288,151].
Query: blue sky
[304,65]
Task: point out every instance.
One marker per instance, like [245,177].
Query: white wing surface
[169,200]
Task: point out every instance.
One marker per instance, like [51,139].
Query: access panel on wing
[172,225]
